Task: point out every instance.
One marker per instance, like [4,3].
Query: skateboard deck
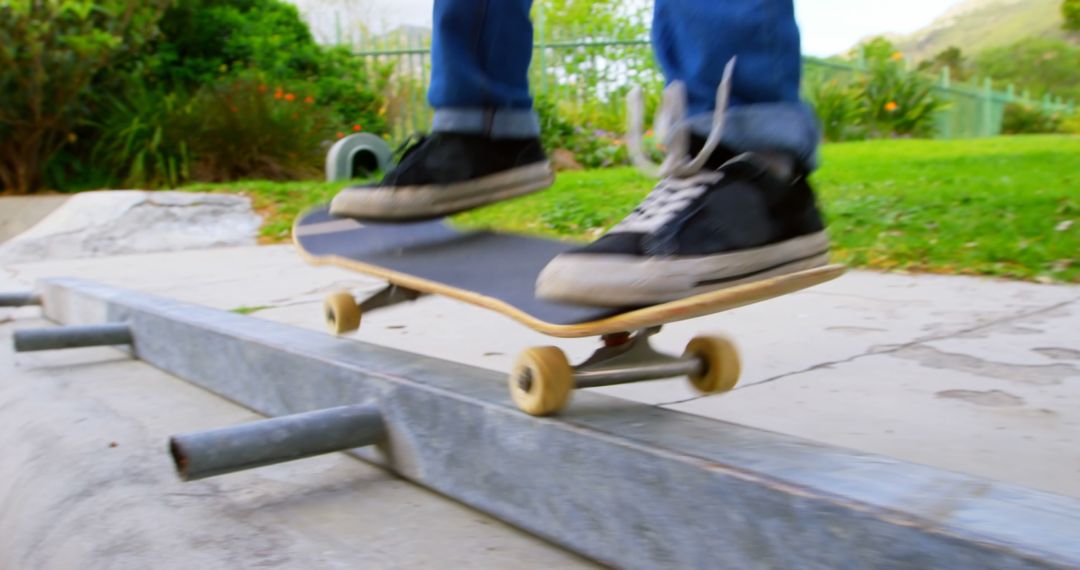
[497,271]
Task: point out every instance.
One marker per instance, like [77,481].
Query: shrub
[894,101]
[836,103]
[138,122]
[1026,119]
[1071,124]
[244,128]
[350,88]
[1039,64]
[884,101]
[50,52]
[142,136]
[1070,9]
[561,127]
[202,40]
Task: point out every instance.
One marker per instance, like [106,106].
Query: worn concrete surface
[973,375]
[95,224]
[85,482]
[19,213]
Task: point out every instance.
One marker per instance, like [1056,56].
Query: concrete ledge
[625,484]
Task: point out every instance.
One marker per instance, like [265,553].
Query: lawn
[1007,207]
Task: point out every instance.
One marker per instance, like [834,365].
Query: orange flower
[340,135]
[357,128]
[891,106]
[262,88]
[289,96]
[277,95]
[309,99]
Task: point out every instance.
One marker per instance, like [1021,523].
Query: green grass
[1007,207]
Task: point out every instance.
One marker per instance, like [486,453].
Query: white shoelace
[681,178]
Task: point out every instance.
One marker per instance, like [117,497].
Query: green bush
[351,89]
[1071,124]
[1026,119]
[591,147]
[154,117]
[1070,9]
[1039,65]
[896,102]
[885,100]
[837,105]
[202,40]
[51,51]
[141,136]
[244,128]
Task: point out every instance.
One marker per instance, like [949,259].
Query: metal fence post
[541,47]
[945,116]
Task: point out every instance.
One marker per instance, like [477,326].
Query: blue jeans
[481,51]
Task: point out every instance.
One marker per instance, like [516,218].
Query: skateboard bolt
[525,380]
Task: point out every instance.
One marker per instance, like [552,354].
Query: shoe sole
[404,203]
[627,281]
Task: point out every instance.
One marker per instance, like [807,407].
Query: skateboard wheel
[721,360]
[342,312]
[541,381]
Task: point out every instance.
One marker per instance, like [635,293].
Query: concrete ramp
[20,213]
[93,224]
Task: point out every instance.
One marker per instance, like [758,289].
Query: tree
[600,73]
[1071,10]
[202,38]
[1041,65]
[50,52]
[951,58]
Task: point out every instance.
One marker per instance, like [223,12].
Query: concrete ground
[973,375]
[86,482]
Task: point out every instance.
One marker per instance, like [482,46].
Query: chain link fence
[586,71]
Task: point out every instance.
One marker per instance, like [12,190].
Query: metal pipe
[276,440]
[628,374]
[19,299]
[28,340]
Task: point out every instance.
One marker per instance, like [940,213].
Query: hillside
[975,25]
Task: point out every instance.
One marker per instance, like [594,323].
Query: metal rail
[626,484]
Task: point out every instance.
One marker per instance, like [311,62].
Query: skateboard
[497,271]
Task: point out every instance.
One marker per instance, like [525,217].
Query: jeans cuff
[785,127]
[493,123]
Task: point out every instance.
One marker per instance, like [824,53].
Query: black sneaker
[733,222]
[446,173]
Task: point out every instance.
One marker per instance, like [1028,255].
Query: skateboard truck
[543,379]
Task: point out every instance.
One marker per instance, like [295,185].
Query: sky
[833,26]
[828,26]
